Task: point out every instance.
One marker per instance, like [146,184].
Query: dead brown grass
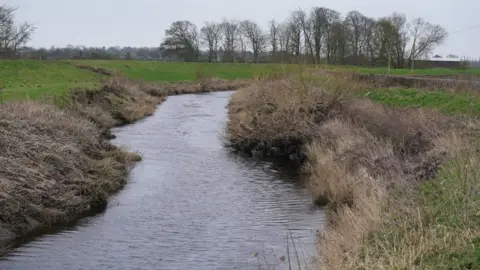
[54,167]
[356,173]
[120,101]
[398,227]
[275,117]
[203,85]
[364,160]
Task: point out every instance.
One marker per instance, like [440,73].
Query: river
[189,204]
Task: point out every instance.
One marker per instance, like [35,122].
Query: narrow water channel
[190,204]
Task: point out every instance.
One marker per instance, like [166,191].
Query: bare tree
[370,26]
[284,41]
[358,26]
[425,37]
[302,21]
[294,32]
[211,34]
[321,34]
[390,40]
[338,42]
[230,29]
[319,29]
[255,35]
[274,38]
[12,34]
[400,38]
[183,37]
[380,44]
[243,47]
[323,19]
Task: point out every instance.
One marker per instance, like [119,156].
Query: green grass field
[32,79]
[22,79]
[154,71]
[35,79]
[173,71]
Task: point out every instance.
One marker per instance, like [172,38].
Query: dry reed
[367,162]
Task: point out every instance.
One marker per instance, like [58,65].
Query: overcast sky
[143,22]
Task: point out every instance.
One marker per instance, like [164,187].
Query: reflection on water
[190,203]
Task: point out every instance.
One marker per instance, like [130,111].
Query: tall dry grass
[277,116]
[120,101]
[204,84]
[54,167]
[55,164]
[428,226]
[365,161]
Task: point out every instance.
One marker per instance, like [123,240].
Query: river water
[190,204]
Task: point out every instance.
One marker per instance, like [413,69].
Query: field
[35,79]
[173,71]
[29,79]
[159,72]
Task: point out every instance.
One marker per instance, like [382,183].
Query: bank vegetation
[399,184]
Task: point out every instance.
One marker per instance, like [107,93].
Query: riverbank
[385,174]
[56,162]
[57,165]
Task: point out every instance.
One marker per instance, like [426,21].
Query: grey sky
[143,22]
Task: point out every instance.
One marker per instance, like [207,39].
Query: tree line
[319,35]
[84,52]
[315,36]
